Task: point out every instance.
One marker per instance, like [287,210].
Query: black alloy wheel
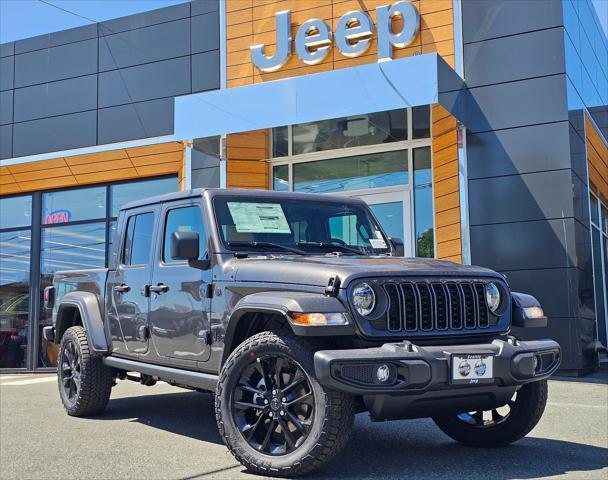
[70,371]
[499,426]
[84,381]
[273,404]
[272,412]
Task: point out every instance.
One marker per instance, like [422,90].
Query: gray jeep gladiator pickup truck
[298,312]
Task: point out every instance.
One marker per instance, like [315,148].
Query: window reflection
[73,247]
[73,205]
[280,178]
[124,193]
[423,202]
[14,297]
[16,211]
[346,132]
[351,173]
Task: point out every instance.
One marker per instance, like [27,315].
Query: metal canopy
[407,82]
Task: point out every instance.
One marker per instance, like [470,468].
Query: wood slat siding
[244,167]
[597,158]
[445,185]
[114,165]
[253,22]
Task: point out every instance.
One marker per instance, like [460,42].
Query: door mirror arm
[398,248]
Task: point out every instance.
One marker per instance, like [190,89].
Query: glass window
[594,210]
[14,297]
[421,122]
[280,142]
[604,220]
[390,216]
[124,193]
[73,247]
[598,273]
[280,178]
[423,202]
[138,243]
[351,173]
[16,211]
[73,205]
[346,132]
[247,223]
[186,219]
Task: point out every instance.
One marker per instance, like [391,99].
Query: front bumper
[419,383]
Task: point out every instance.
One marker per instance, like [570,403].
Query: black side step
[204,381]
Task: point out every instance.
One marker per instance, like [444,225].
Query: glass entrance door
[392,208]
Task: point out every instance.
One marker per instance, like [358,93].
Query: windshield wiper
[267,245]
[328,245]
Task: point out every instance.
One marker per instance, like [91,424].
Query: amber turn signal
[319,319]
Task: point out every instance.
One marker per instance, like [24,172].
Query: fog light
[383,373]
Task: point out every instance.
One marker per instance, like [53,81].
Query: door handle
[159,288]
[122,288]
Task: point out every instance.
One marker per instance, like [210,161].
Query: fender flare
[281,303]
[90,314]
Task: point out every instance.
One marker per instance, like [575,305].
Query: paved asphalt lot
[164,432]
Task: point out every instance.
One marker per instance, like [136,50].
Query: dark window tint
[421,122]
[138,242]
[186,219]
[280,142]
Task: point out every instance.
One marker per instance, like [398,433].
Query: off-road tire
[525,414]
[95,378]
[333,418]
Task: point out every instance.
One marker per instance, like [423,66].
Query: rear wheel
[84,381]
[273,414]
[500,426]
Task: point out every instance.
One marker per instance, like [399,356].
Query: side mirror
[185,246]
[398,248]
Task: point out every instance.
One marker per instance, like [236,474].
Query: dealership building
[476,131]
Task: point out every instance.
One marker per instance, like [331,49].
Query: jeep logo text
[352,38]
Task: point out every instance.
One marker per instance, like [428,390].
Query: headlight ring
[493,299]
[364,299]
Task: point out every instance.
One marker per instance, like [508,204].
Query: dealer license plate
[472,368]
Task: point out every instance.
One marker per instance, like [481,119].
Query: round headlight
[364,299]
[492,296]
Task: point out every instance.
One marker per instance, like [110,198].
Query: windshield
[290,225]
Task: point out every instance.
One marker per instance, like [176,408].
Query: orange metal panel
[43,165]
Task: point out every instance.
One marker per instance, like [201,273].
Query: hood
[317,270]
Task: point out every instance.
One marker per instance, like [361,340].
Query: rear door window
[138,240]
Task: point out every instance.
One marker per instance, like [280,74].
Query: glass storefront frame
[408,188]
[36,316]
[599,229]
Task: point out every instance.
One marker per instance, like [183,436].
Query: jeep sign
[353,36]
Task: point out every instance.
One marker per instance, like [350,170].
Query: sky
[27,18]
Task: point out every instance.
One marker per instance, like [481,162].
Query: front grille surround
[434,307]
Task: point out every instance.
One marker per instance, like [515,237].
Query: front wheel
[84,381]
[500,426]
[273,414]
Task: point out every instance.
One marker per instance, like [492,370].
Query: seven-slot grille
[424,306]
